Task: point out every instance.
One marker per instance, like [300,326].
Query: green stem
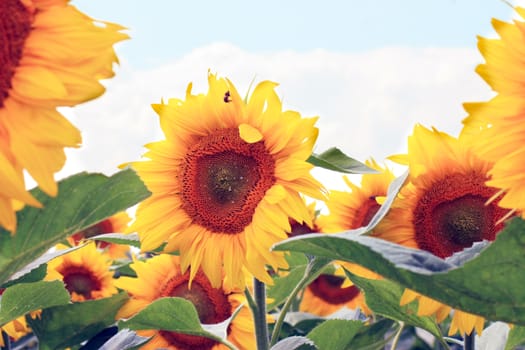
[469,341]
[261,327]
[398,335]
[453,341]
[251,302]
[286,307]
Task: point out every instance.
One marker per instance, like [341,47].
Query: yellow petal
[249,134]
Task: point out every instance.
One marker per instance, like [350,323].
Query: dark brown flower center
[297,229]
[81,281]
[211,303]
[102,227]
[15,26]
[328,288]
[365,213]
[223,179]
[462,221]
[452,214]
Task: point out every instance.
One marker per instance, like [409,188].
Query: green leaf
[23,298]
[334,334]
[67,325]
[302,323]
[334,159]
[119,238]
[171,314]
[35,275]
[516,338]
[383,296]
[295,259]
[489,283]
[374,336]
[292,343]
[283,286]
[82,201]
[38,263]
[124,270]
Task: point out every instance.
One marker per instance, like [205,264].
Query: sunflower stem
[259,315]
[469,341]
[286,306]
[398,335]
[453,341]
[251,302]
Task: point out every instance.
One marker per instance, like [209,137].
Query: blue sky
[369,69]
[164,30]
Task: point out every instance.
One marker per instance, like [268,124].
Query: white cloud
[367,102]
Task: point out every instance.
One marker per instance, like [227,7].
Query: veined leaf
[292,343]
[383,296]
[82,201]
[334,334]
[23,298]
[374,336]
[515,338]
[334,159]
[283,286]
[485,280]
[175,315]
[35,275]
[67,325]
[119,238]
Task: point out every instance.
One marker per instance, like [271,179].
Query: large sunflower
[347,210]
[161,276]
[443,207]
[498,125]
[225,180]
[117,223]
[85,272]
[51,55]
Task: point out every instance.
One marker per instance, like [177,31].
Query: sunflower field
[220,237]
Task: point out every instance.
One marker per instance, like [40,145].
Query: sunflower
[443,207]
[51,55]
[225,181]
[347,210]
[329,293]
[301,228]
[498,124]
[161,276]
[85,273]
[117,223]
[355,208]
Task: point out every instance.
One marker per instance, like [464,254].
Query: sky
[369,69]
